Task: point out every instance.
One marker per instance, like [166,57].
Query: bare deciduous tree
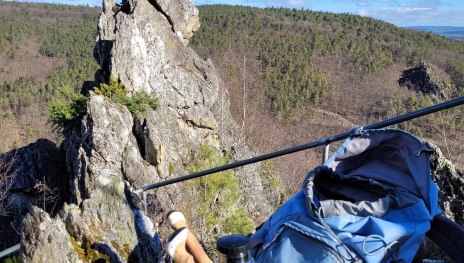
[7,175]
[46,197]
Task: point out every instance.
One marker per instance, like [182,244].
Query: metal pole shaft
[325,152]
[145,204]
[405,117]
[10,250]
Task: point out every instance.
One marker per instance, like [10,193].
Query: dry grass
[27,62]
[26,128]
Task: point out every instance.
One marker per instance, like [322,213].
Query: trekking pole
[394,120]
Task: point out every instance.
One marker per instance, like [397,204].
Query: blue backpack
[373,200]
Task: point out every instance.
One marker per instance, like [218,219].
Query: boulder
[450,183]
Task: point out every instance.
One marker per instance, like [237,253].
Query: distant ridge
[453,32]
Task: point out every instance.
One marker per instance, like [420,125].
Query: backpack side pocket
[295,242]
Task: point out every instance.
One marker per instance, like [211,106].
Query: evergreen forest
[43,48]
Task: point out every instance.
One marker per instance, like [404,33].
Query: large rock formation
[34,175]
[422,78]
[144,44]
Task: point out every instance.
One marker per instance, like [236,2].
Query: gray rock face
[95,151]
[450,183]
[40,233]
[183,18]
[148,52]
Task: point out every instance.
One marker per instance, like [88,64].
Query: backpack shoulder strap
[449,236]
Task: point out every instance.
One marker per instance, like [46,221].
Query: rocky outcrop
[38,177]
[97,155]
[422,78]
[450,183]
[143,44]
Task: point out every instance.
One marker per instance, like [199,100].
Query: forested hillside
[290,45]
[293,75]
[43,48]
[296,76]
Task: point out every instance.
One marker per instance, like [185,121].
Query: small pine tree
[113,90]
[215,210]
[67,109]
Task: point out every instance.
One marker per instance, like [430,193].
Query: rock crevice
[159,8]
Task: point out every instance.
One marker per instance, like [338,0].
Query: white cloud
[415,16]
[364,12]
[405,9]
[364,3]
[299,3]
[283,3]
[422,3]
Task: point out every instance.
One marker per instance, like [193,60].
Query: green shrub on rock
[138,101]
[239,222]
[67,109]
[213,202]
[118,93]
[71,106]
[113,90]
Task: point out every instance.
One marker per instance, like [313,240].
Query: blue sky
[399,12]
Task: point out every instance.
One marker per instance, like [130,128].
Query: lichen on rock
[450,183]
[46,240]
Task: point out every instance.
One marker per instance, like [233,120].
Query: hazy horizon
[402,13]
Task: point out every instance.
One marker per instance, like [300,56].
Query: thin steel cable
[382,124]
